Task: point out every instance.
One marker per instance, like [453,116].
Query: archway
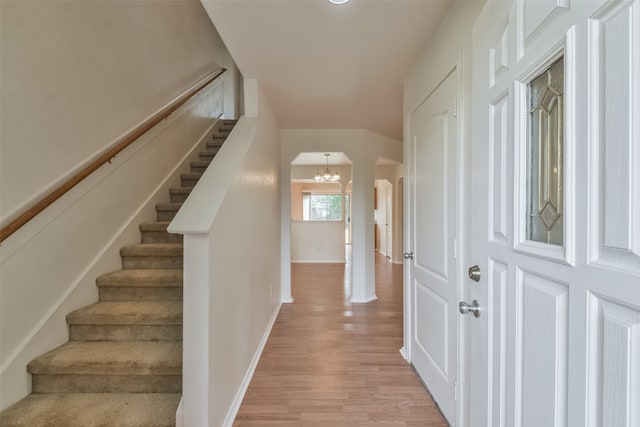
[320,207]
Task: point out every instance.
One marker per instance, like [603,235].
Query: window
[321,207]
[545,151]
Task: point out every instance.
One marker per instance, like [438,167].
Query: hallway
[330,363]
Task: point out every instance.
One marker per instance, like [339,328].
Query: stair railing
[107,155]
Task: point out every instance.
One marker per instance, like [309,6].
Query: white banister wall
[231,227]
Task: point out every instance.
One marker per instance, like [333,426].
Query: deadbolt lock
[474,273]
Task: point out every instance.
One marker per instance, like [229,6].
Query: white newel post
[363,287]
[196,374]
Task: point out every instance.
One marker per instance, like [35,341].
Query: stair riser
[215,145]
[207,155]
[125,332]
[160,237]
[166,216]
[199,167]
[178,197]
[189,182]
[43,383]
[149,262]
[122,293]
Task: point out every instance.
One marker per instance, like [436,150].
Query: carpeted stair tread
[154,226]
[111,358]
[168,207]
[180,190]
[93,410]
[129,313]
[142,278]
[191,176]
[152,256]
[190,179]
[208,153]
[179,194]
[152,249]
[200,164]
[156,232]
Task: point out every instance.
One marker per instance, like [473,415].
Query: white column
[285,229]
[363,266]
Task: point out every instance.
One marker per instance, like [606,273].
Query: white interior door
[556,231]
[432,271]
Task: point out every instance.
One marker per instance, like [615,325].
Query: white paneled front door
[556,231]
[433,216]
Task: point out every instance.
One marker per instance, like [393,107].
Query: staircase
[122,365]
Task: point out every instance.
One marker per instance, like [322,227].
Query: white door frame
[461,246]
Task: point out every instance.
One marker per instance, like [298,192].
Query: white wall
[449,47]
[363,148]
[317,241]
[75,77]
[231,224]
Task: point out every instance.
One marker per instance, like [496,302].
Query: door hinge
[455,391]
[455,107]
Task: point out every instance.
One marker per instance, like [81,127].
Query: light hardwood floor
[330,363]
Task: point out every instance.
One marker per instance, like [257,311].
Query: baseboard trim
[403,352]
[312,261]
[179,414]
[237,401]
[364,300]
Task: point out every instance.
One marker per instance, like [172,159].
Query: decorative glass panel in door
[545,150]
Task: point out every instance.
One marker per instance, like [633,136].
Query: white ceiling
[326,66]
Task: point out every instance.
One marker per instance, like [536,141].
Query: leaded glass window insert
[545,149]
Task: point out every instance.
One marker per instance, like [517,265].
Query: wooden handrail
[107,155]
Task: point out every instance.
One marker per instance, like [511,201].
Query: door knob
[474,273]
[408,255]
[466,308]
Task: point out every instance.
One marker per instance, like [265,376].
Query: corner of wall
[251,97]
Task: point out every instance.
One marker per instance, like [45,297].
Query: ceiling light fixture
[338,1]
[327,175]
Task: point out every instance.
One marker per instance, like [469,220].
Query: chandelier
[327,175]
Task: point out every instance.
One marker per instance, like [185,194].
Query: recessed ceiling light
[338,1]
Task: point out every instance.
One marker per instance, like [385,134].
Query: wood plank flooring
[329,363]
